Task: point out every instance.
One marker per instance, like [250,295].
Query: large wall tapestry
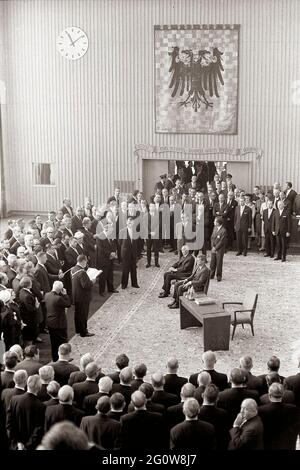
[196,78]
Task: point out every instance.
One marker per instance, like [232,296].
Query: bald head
[57,287]
[248,408]
[203,379]
[209,359]
[172,365]
[126,376]
[138,400]
[157,381]
[66,394]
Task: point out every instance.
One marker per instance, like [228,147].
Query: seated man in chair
[180,270]
[197,279]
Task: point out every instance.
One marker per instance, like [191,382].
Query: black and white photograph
[149,229]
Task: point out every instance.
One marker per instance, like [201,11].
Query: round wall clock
[72,43]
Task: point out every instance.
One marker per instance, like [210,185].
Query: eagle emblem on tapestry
[196,79]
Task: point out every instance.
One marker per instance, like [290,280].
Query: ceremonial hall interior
[149,225]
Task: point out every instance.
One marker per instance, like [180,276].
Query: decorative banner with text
[196,78]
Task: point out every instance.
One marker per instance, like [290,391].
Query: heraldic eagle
[196,73]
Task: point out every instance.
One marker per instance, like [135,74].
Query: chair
[245,315]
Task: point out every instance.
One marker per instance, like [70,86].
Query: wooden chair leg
[234,327]
[252,328]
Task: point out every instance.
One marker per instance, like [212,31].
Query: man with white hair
[80,247]
[209,360]
[142,429]
[192,433]
[160,395]
[203,380]
[247,431]
[25,417]
[17,349]
[124,387]
[47,375]
[281,421]
[80,375]
[57,301]
[89,402]
[64,410]
[52,390]
[20,380]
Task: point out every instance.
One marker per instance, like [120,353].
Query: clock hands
[77,39]
[72,42]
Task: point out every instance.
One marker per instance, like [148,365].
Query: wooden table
[213,318]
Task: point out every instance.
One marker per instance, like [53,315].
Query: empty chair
[245,314]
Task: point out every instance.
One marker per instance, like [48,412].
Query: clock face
[72,43]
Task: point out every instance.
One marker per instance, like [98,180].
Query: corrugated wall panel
[86,116]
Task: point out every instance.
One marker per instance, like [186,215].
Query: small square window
[43,174]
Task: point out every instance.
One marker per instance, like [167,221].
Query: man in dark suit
[101,429]
[20,381]
[89,242]
[142,429]
[268,218]
[174,414]
[247,431]
[198,280]
[209,360]
[287,397]
[90,401]
[290,193]
[57,301]
[63,367]
[124,386]
[162,183]
[231,399]
[281,421]
[121,361]
[153,234]
[115,197]
[218,246]
[253,382]
[242,226]
[160,395]
[129,254]
[53,264]
[65,410]
[25,417]
[220,208]
[281,229]
[193,433]
[182,269]
[219,418]
[28,311]
[273,365]
[139,373]
[106,254]
[10,360]
[52,390]
[173,382]
[30,362]
[67,208]
[89,386]
[76,224]
[82,291]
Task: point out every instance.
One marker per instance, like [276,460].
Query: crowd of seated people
[62,406]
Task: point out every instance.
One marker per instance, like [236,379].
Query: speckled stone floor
[138,323]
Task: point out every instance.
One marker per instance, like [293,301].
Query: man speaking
[82,290]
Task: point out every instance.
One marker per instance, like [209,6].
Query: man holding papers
[82,289]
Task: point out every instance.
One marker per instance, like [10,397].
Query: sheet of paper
[93,273]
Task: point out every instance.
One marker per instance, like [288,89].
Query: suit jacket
[195,434]
[245,222]
[125,390]
[288,397]
[128,249]
[199,277]
[185,265]
[25,420]
[219,239]
[135,384]
[281,423]
[231,399]
[249,436]
[174,415]
[116,415]
[56,305]
[53,265]
[102,430]
[67,210]
[76,224]
[291,196]
[28,310]
[51,402]
[60,412]
[281,224]
[174,383]
[220,420]
[43,395]
[30,365]
[71,258]
[81,285]
[217,378]
[7,395]
[143,430]
[90,401]
[268,222]
[219,211]
[115,376]
[7,379]
[42,276]
[62,371]
[150,406]
[89,245]
[254,382]
[293,383]
[164,398]
[104,249]
[83,389]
